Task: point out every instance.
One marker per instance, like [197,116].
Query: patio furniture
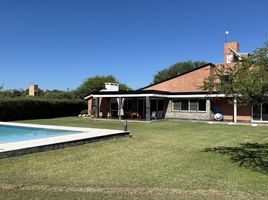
[160,114]
[129,114]
[218,117]
[135,115]
[153,115]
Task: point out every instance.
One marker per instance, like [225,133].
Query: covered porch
[146,106]
[150,105]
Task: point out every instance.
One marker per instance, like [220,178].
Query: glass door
[141,108]
[265,112]
[256,112]
[153,105]
[260,112]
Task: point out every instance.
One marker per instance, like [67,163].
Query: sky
[57,44]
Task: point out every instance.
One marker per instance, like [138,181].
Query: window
[176,105]
[189,105]
[260,112]
[202,105]
[193,105]
[257,112]
[93,103]
[264,112]
[185,104]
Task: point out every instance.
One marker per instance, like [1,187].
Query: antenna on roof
[225,36]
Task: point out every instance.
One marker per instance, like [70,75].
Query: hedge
[26,108]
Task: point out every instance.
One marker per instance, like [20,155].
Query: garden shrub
[85,111]
[36,108]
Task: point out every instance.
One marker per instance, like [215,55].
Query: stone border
[83,136]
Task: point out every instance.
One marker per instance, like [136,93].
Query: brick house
[178,97]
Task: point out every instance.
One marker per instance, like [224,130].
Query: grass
[163,160]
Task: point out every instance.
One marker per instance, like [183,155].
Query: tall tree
[97,83]
[175,69]
[58,94]
[246,80]
[12,93]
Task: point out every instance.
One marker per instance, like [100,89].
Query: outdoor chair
[153,115]
[160,114]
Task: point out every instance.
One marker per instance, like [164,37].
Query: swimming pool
[18,139]
[17,133]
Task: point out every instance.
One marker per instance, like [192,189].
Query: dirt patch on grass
[154,192]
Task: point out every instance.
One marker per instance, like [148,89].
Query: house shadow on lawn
[250,155]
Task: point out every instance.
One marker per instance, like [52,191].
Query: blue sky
[59,43]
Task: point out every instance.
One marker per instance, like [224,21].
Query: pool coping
[84,135]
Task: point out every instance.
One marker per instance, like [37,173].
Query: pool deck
[85,135]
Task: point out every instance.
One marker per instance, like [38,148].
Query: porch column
[119,108]
[97,104]
[208,109]
[235,110]
[148,109]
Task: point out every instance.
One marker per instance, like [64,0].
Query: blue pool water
[16,133]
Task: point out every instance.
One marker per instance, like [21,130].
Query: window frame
[178,101]
[197,103]
[189,106]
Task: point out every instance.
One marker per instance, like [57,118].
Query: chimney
[33,90]
[229,51]
[112,87]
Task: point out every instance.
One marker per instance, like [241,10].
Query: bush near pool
[24,108]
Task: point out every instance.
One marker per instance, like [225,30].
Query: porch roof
[153,93]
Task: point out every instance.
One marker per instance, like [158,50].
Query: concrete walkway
[223,122]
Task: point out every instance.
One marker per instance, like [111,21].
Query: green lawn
[162,160]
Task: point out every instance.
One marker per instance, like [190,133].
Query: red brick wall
[243,112]
[189,82]
[234,45]
[89,104]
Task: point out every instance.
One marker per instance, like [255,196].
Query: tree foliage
[97,83]
[37,108]
[175,69]
[47,94]
[88,86]
[12,93]
[58,94]
[247,80]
